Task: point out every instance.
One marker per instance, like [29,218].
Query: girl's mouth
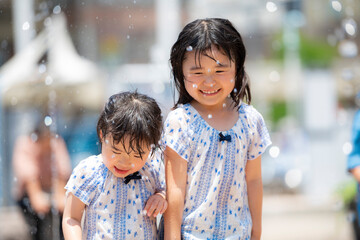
[121,171]
[209,93]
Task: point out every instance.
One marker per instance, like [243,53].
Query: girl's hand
[155,204]
[40,203]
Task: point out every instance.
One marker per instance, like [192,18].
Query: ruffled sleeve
[85,179]
[158,171]
[175,133]
[259,138]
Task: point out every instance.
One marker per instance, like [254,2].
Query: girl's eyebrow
[195,68]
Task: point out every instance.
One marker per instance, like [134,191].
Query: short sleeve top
[114,209]
[216,203]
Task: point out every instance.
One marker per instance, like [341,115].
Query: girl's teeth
[209,92]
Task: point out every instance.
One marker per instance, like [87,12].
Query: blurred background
[61,59]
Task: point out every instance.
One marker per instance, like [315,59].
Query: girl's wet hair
[131,116]
[200,36]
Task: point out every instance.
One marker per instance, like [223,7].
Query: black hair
[134,116]
[200,36]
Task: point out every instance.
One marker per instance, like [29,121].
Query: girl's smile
[121,171]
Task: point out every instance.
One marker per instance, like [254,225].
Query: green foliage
[278,111]
[347,191]
[314,53]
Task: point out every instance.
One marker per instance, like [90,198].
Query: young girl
[214,141]
[114,187]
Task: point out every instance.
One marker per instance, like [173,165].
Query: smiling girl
[214,140]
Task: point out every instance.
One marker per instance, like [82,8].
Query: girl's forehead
[214,54]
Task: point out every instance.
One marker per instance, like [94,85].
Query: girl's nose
[209,79]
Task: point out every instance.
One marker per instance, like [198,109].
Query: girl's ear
[101,136]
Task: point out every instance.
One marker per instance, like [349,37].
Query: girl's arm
[71,222]
[255,195]
[176,175]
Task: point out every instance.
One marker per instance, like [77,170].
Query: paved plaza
[285,217]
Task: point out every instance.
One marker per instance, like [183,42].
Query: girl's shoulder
[154,162]
[92,164]
[179,116]
[249,113]
[181,110]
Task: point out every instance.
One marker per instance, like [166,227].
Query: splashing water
[48,121]
[48,80]
[57,9]
[271,7]
[26,26]
[336,5]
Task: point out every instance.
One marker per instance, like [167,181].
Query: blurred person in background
[353,165]
[42,167]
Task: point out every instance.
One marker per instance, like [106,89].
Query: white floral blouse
[216,202]
[114,210]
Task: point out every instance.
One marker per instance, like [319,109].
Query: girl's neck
[222,117]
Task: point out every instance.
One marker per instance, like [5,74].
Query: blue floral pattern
[216,204]
[114,210]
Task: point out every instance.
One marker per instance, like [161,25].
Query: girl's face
[211,81]
[118,161]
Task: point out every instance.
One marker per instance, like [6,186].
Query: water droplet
[211,85]
[271,7]
[224,105]
[113,156]
[336,5]
[15,179]
[57,9]
[132,165]
[348,48]
[189,48]
[210,116]
[34,137]
[106,141]
[128,36]
[350,26]
[194,85]
[48,120]
[42,68]
[217,62]
[129,15]
[235,90]
[231,80]
[47,22]
[274,76]
[26,26]
[134,1]
[209,70]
